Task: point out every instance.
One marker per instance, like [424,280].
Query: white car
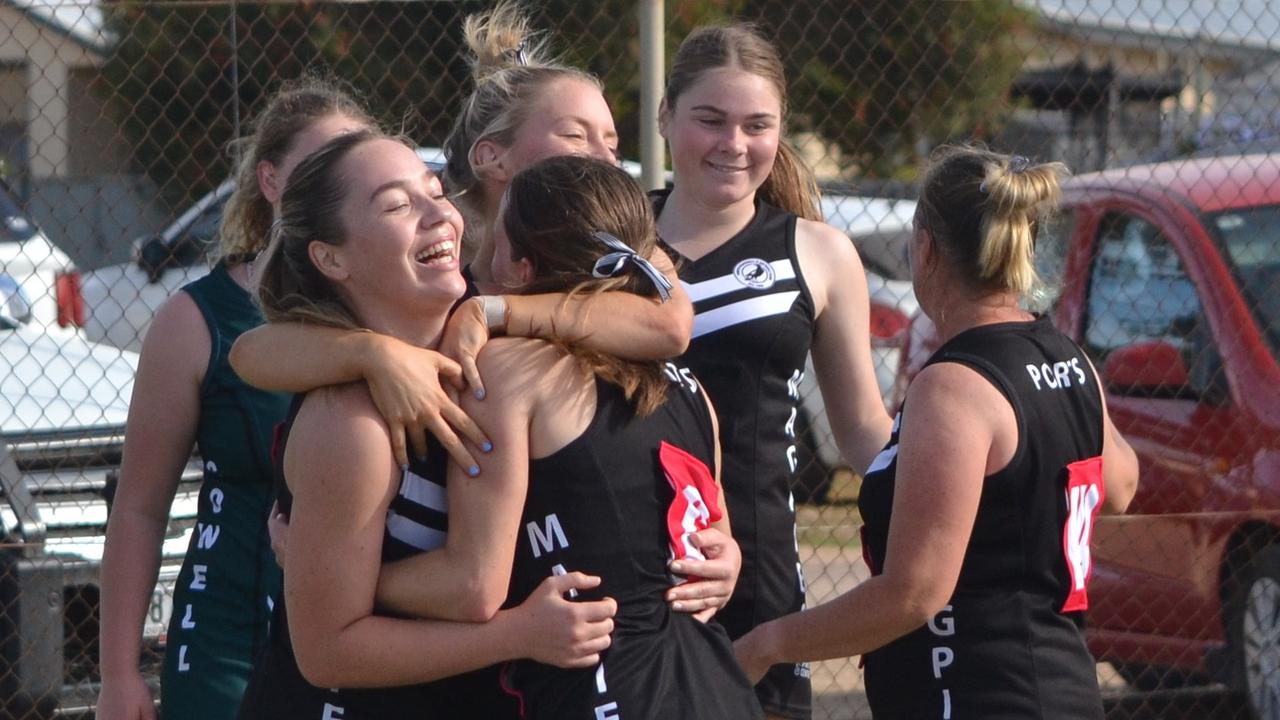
[120,300]
[36,264]
[880,228]
[63,405]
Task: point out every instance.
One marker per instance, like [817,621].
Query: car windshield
[14,225]
[1250,238]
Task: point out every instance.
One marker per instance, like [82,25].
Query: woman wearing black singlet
[366,238]
[770,284]
[979,510]
[600,465]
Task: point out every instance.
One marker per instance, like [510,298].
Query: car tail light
[70,301]
[887,323]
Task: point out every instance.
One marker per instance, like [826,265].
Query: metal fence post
[652,157]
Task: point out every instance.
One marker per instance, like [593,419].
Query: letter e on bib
[1085,492]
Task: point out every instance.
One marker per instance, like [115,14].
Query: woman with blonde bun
[979,510]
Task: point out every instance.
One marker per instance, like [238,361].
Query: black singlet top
[417,521]
[601,505]
[752,329]
[1009,643]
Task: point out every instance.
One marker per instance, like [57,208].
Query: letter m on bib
[543,538]
[1085,492]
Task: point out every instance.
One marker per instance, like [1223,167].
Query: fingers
[397,443]
[562,584]
[472,374]
[418,438]
[451,371]
[705,615]
[463,424]
[453,445]
[711,569]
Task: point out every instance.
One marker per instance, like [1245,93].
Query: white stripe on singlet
[743,311]
[414,533]
[725,284]
[424,492]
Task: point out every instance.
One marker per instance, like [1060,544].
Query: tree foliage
[876,79]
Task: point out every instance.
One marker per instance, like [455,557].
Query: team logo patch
[754,273]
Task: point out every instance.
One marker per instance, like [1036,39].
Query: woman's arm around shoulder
[405,381]
[842,341]
[163,415]
[615,323]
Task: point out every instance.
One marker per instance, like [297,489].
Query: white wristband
[495,313]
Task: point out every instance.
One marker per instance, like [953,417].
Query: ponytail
[791,185]
[983,209]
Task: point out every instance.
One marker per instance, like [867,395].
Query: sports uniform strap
[996,377]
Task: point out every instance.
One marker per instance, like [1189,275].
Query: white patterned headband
[615,263]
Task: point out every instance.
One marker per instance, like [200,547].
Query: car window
[1250,238]
[1138,289]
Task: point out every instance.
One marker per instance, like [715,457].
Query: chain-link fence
[117,116]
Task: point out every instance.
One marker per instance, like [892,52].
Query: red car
[1169,276]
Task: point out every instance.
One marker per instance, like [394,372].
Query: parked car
[1168,276]
[63,404]
[120,300]
[39,267]
[879,228]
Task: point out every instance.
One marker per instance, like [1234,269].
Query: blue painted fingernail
[474,470]
[479,393]
[487,446]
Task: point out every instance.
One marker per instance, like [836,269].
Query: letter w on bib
[1085,492]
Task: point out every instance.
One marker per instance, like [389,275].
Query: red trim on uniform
[1085,493]
[697,499]
[505,684]
[277,443]
[866,551]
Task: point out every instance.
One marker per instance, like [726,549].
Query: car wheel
[1255,634]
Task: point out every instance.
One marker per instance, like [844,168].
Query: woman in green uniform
[185,392]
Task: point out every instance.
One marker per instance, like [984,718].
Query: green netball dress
[229,579]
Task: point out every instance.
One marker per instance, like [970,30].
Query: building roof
[80,20]
[1249,25]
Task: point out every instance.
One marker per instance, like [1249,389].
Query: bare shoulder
[338,417]
[948,396]
[511,363]
[820,233]
[177,340]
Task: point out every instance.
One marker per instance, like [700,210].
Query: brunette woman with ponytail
[770,282]
[979,510]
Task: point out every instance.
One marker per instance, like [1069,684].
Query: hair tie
[615,263]
[1018,164]
[517,54]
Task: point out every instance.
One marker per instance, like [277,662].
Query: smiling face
[404,236]
[569,117]
[724,132]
